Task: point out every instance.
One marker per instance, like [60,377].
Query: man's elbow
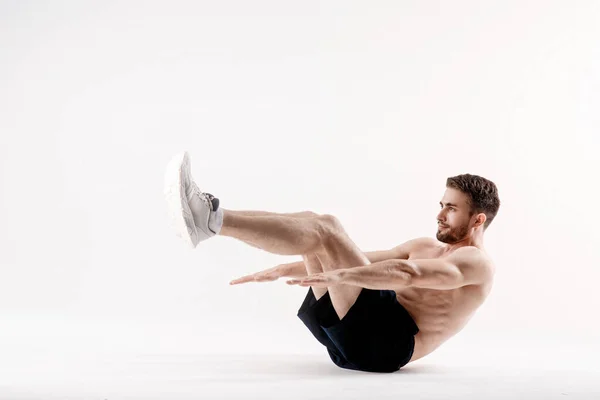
[402,273]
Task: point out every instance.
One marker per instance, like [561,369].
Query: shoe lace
[205,197]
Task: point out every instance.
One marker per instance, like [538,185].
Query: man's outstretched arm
[298,269]
[466,266]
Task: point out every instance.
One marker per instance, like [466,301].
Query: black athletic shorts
[376,335]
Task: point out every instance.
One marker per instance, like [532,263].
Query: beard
[452,235]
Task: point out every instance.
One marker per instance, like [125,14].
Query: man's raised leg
[255,213]
[338,252]
[311,261]
[276,234]
[197,216]
[322,236]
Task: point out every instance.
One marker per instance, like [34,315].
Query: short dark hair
[483,194]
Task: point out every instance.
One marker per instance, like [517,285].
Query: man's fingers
[243,279]
[305,283]
[316,280]
[265,278]
[254,278]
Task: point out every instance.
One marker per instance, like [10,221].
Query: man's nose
[441,216]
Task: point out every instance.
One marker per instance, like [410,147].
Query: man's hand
[296,269]
[324,279]
[268,275]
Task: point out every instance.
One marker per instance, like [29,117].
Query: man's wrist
[347,276]
[294,269]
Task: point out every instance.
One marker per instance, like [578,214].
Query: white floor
[279,376]
[61,363]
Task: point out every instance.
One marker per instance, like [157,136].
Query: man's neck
[476,240]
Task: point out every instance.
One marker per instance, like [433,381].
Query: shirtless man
[374,311]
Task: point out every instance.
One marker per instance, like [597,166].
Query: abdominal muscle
[440,314]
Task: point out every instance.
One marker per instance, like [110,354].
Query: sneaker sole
[175,195]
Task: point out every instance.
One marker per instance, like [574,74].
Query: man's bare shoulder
[475,261]
[474,254]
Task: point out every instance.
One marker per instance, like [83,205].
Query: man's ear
[481,218]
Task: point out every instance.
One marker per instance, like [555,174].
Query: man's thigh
[339,251]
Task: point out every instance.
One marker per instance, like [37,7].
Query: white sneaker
[195,215]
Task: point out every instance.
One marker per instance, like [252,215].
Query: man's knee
[329,230]
[331,224]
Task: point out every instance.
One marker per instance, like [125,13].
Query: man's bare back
[440,314]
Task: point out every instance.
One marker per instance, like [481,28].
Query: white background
[358,109]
